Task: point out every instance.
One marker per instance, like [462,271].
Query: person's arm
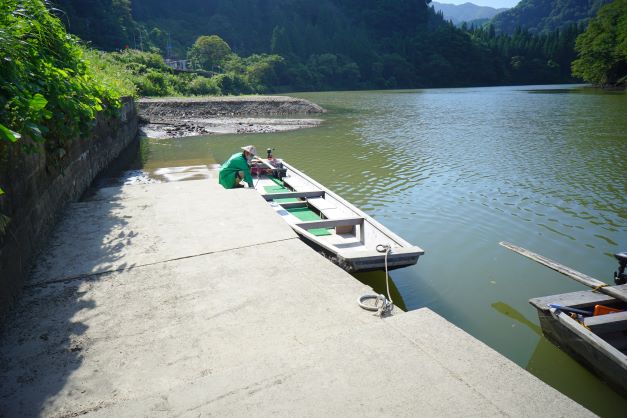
[243,166]
[248,178]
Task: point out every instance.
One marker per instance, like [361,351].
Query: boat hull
[336,228]
[366,262]
[603,354]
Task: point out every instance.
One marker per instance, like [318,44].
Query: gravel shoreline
[179,117]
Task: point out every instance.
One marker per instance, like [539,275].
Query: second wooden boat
[345,234]
[590,326]
[597,341]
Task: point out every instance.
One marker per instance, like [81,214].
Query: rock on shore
[176,117]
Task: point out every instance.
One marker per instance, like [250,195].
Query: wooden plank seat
[288,205]
[331,223]
[607,323]
[297,195]
[341,225]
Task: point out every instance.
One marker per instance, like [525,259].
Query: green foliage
[204,86]
[135,72]
[231,83]
[525,58]
[145,74]
[258,71]
[541,16]
[342,44]
[8,135]
[209,52]
[602,47]
[108,24]
[353,44]
[47,92]
[111,73]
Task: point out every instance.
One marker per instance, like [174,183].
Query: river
[455,171]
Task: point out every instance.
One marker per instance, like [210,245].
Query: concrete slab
[231,321]
[209,336]
[135,225]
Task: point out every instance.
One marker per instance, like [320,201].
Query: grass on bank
[139,73]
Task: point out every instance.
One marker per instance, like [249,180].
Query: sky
[492,3]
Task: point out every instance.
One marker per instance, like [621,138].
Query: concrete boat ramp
[185,299]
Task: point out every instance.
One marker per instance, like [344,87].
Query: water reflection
[508,311]
[559,370]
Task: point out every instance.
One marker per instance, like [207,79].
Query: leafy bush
[47,90]
[204,86]
[232,83]
[147,59]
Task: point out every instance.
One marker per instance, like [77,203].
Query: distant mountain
[466,12]
[546,15]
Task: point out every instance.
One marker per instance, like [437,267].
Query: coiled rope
[386,306]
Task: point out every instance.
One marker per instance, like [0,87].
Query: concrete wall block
[37,191]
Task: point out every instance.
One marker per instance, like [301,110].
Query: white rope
[258,177]
[386,306]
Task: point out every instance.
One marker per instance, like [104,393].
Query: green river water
[455,171]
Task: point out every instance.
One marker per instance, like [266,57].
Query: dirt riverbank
[178,117]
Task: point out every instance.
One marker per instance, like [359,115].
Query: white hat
[251,149]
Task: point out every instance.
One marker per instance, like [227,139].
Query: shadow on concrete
[41,343]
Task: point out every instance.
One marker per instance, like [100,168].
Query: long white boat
[345,234]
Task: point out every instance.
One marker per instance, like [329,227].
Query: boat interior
[604,316]
[314,211]
[609,322]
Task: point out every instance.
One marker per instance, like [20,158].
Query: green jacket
[229,170]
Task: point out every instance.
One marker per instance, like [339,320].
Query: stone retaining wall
[37,191]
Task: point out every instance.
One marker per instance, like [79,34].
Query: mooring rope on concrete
[387,305]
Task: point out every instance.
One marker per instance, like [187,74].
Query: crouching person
[237,168]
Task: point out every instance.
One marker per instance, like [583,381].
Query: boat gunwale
[576,299]
[590,349]
[585,345]
[367,218]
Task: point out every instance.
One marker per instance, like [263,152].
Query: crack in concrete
[121,269]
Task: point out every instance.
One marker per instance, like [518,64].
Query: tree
[209,52]
[108,24]
[603,47]
[280,42]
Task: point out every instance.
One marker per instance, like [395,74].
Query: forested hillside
[332,43]
[107,23]
[539,16]
[466,12]
[317,44]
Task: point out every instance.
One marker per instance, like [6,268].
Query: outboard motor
[279,171]
[619,276]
